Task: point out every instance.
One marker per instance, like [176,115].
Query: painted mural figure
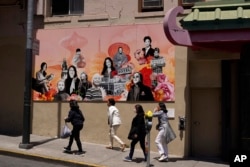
[108,73]
[72,81]
[42,79]
[139,56]
[108,70]
[78,60]
[64,69]
[148,50]
[119,58]
[84,84]
[95,93]
[61,95]
[139,91]
[157,63]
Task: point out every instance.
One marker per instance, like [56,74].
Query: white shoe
[163,158]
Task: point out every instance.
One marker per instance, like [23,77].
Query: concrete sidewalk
[51,149]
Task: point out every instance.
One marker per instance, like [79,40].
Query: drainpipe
[28,75]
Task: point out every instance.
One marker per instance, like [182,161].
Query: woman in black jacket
[137,133]
[76,118]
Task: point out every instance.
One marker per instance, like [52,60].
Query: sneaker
[163,158]
[66,149]
[128,159]
[79,153]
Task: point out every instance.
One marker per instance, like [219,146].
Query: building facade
[199,74]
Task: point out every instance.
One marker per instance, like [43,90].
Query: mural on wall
[128,63]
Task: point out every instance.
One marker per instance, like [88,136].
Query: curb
[46,158]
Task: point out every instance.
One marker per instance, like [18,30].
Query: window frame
[69,9]
[150,8]
[188,5]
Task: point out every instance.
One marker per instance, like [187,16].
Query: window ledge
[149,15]
[101,17]
[58,19]
[82,18]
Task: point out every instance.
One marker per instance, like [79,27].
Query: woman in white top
[114,122]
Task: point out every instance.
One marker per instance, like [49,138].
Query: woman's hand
[156,109]
[135,135]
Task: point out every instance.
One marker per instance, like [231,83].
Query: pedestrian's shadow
[168,160]
[117,149]
[138,160]
[40,142]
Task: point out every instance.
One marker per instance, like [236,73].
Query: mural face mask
[97,80]
[136,78]
[83,78]
[147,43]
[108,63]
[71,73]
[156,54]
[61,86]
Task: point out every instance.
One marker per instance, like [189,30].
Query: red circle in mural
[112,50]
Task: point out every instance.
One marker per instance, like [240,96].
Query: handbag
[157,126]
[66,132]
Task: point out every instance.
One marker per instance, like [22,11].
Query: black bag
[131,133]
[157,126]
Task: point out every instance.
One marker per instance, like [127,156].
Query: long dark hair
[139,109]
[163,107]
[111,101]
[73,105]
[42,65]
[74,68]
[105,66]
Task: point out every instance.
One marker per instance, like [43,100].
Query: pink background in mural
[97,43]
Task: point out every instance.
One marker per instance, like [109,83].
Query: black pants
[141,139]
[75,134]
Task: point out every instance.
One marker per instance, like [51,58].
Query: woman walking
[165,134]
[77,119]
[114,122]
[137,133]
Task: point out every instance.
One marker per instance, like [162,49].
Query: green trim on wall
[218,15]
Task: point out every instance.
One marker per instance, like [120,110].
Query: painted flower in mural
[164,91]
[75,97]
[48,96]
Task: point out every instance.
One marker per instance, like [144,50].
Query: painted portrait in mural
[127,63]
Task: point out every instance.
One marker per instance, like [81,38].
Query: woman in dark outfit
[137,133]
[77,119]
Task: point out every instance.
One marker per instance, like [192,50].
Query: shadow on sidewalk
[210,160]
[40,142]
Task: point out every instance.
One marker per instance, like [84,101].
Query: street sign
[35,47]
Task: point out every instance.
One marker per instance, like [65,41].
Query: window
[150,5]
[190,3]
[67,7]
